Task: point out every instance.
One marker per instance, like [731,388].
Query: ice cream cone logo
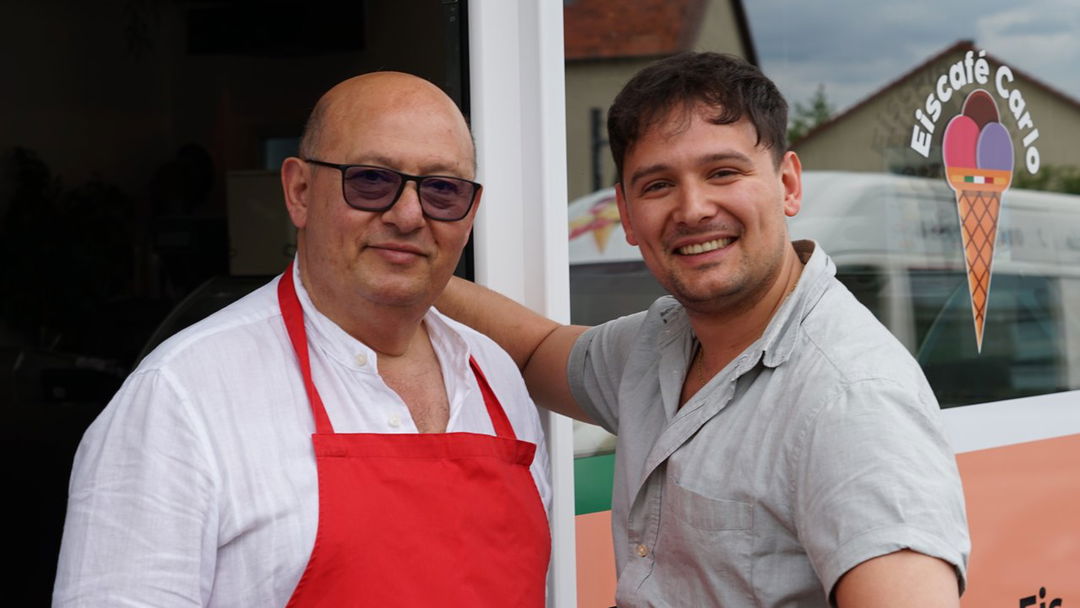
[978,156]
[600,221]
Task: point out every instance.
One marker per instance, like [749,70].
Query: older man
[330,439]
[776,445]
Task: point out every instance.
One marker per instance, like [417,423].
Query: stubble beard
[737,291]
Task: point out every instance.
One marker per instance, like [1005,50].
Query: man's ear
[624,214]
[791,179]
[476,204]
[296,184]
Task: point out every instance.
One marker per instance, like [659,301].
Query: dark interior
[120,123]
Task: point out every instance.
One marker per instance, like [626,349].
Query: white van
[896,244]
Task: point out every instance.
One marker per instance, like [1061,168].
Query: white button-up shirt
[197,485]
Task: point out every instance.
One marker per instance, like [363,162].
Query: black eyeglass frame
[405,179]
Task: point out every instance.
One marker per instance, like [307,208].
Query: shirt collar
[780,335]
[777,342]
[330,338]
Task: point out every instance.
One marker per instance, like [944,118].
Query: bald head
[390,263]
[372,95]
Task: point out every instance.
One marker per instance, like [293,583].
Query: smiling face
[397,257]
[706,205]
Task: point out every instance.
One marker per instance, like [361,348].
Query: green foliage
[1051,178]
[805,117]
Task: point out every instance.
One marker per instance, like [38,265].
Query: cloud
[855,47]
[1041,38]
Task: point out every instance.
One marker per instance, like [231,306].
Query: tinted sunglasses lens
[446,198]
[370,187]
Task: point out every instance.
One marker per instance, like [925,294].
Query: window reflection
[1022,353]
[896,244]
[855,76]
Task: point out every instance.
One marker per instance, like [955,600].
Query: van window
[867,284]
[605,291]
[1023,351]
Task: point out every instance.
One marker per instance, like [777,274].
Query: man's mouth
[399,248]
[705,247]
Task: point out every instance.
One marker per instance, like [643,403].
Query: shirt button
[394,421]
[361,359]
[642,550]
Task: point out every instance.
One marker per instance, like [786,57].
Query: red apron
[441,519]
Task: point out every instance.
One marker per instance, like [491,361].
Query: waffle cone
[978,206]
[602,234]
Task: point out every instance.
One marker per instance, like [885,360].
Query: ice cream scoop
[980,107]
[960,142]
[995,149]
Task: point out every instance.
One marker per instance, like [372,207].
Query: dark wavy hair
[726,83]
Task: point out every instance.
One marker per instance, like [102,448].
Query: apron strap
[499,421]
[294,324]
[293,315]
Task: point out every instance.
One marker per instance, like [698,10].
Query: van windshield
[1024,351]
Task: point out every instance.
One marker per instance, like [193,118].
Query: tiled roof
[604,29]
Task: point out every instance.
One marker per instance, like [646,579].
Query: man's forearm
[900,579]
[540,347]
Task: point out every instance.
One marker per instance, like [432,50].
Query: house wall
[594,84]
[876,136]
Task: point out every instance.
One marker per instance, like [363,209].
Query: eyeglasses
[370,188]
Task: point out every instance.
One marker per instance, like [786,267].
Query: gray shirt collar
[778,341]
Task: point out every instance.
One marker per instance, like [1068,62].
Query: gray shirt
[817,448]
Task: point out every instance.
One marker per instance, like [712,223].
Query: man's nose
[406,214]
[694,205]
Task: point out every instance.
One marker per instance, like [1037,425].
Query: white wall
[517,107]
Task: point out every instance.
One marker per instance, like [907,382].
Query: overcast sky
[854,47]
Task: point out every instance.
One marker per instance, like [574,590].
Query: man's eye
[654,187]
[722,174]
[372,176]
[443,186]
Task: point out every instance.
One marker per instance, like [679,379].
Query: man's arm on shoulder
[539,346]
[901,579]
